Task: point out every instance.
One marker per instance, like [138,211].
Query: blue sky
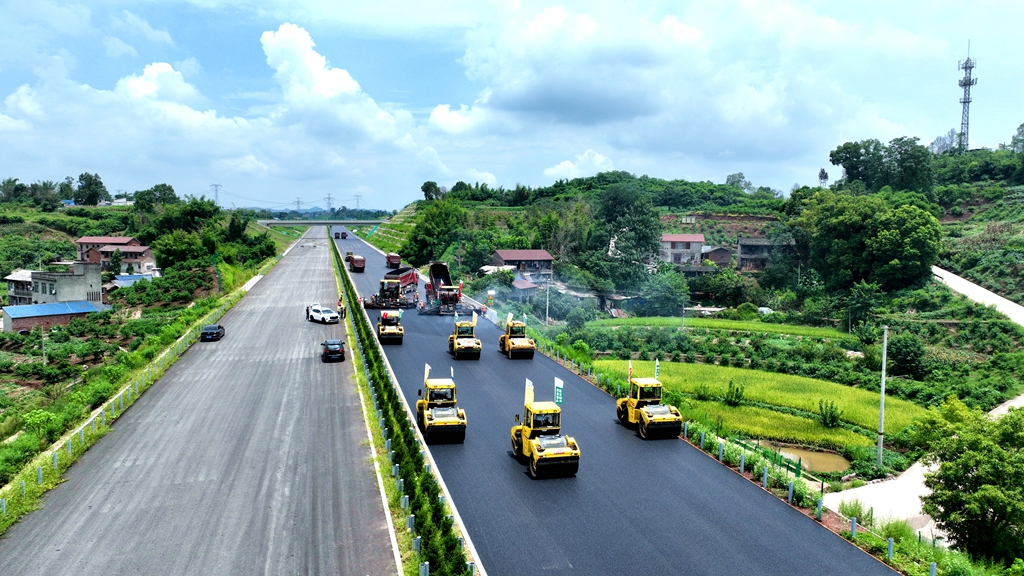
[283,100]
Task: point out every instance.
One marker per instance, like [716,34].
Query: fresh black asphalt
[248,457]
[635,507]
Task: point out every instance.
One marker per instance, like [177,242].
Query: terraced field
[390,235]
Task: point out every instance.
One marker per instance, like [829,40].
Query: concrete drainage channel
[431,518]
[46,470]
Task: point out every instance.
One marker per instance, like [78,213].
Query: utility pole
[547,302]
[43,343]
[966,82]
[216,193]
[881,406]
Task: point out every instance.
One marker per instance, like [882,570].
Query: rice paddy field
[718,324]
[771,425]
[859,407]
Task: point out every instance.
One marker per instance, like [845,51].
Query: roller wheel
[621,412]
[642,430]
[461,438]
[532,469]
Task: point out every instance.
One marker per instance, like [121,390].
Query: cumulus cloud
[586,164]
[482,176]
[117,47]
[138,26]
[160,81]
[322,97]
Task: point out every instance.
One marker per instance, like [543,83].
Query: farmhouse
[534,265]
[17,318]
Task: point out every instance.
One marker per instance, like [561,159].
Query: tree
[903,246]
[739,181]
[178,247]
[146,201]
[822,178]
[665,294]
[906,356]
[11,189]
[908,166]
[66,189]
[863,297]
[977,492]
[437,226]
[91,190]
[1017,142]
[860,161]
[943,143]
[837,227]
[430,190]
[115,261]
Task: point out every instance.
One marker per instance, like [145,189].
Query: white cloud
[482,176]
[188,67]
[117,47]
[247,164]
[324,98]
[139,27]
[158,81]
[586,164]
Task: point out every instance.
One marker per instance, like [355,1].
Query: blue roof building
[26,317]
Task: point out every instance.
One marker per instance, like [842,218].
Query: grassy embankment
[390,235]
[860,407]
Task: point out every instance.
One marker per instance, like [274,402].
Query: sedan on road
[322,314]
[332,350]
[212,332]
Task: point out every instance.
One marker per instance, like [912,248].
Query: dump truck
[643,408]
[463,342]
[437,415]
[408,280]
[538,440]
[442,296]
[356,263]
[390,296]
[337,235]
[344,235]
[393,260]
[514,343]
[389,328]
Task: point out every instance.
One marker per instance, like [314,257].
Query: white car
[322,314]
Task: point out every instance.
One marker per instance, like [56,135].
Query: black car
[332,350]
[212,332]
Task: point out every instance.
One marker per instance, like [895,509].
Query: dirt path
[901,497]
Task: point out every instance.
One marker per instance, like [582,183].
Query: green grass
[771,425]
[859,407]
[282,236]
[717,324]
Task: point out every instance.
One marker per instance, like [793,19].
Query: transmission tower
[216,193]
[966,82]
[357,201]
[298,204]
[329,200]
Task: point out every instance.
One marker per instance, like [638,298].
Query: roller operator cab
[514,343]
[437,415]
[389,328]
[463,342]
[643,408]
[348,256]
[537,439]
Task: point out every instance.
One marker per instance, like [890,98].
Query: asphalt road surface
[248,457]
[635,507]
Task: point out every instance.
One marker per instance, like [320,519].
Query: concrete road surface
[248,457]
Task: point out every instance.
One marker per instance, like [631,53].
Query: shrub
[828,413]
[734,395]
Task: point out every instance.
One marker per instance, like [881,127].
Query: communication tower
[966,82]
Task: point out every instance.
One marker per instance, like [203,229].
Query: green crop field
[770,425]
[859,407]
[717,324]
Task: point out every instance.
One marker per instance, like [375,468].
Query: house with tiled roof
[681,249]
[86,243]
[532,265]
